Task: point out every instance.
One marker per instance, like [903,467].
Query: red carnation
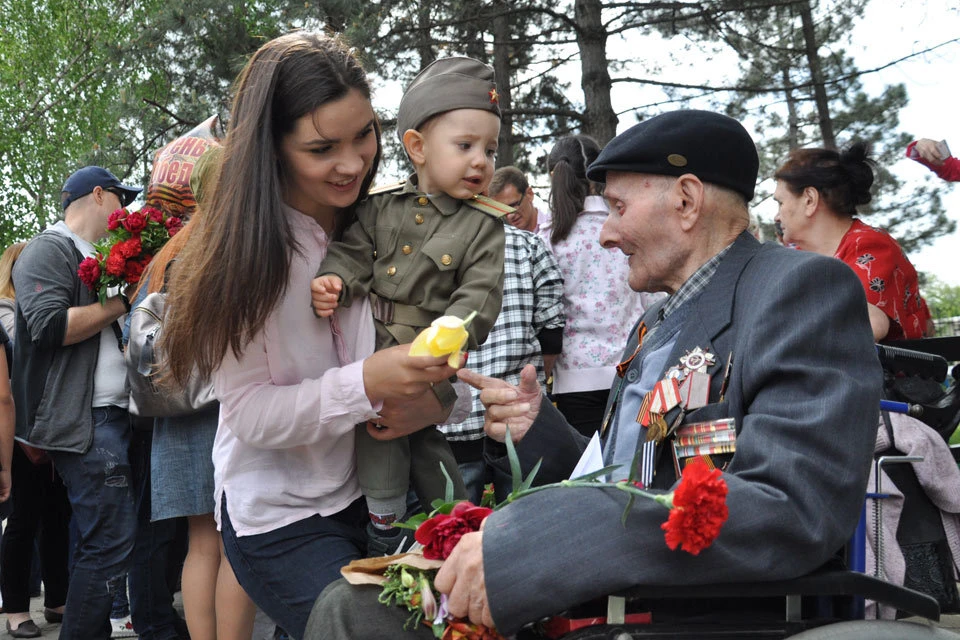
[135,222]
[116,264]
[113,222]
[699,508]
[129,248]
[441,533]
[173,225]
[152,213]
[89,272]
[472,514]
[133,271]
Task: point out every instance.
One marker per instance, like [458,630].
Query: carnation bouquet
[697,511]
[133,238]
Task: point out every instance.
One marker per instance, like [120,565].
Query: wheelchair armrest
[825,582]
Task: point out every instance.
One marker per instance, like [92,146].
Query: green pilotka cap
[445,85]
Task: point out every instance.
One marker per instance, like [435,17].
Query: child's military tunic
[420,257]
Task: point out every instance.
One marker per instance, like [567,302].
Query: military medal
[695,390]
[657,429]
[697,360]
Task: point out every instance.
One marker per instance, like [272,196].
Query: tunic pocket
[446,251]
[385,240]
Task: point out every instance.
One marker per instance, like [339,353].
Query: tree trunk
[599,119]
[816,75]
[501,67]
[424,43]
[793,125]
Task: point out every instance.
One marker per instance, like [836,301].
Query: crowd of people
[294,290]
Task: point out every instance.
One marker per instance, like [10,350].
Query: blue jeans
[99,486]
[476,475]
[151,602]
[284,570]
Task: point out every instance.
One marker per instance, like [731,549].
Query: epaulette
[490,206]
[387,188]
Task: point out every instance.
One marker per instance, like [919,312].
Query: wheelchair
[828,603]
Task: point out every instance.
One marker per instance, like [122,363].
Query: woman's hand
[399,418]
[930,151]
[506,404]
[393,374]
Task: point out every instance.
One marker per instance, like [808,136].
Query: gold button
[391,271]
[422,201]
[374,253]
[406,249]
[446,259]
[419,218]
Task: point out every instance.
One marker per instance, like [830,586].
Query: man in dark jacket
[71,395]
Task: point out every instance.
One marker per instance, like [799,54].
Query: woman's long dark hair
[843,178]
[569,187]
[235,267]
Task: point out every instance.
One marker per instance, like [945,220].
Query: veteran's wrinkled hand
[510,405]
[461,578]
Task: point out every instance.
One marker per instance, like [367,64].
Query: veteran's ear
[688,193]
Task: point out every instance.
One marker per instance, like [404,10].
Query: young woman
[302,148]
[818,191]
[599,305]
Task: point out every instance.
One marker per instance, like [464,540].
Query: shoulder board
[490,206]
[387,188]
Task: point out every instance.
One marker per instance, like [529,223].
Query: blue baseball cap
[84,181]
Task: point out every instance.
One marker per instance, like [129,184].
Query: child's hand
[324,293]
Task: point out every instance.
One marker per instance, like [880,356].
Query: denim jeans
[284,570]
[99,485]
[151,602]
[476,475]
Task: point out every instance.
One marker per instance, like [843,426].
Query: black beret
[444,85]
[712,146]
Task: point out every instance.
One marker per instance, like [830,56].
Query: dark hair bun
[855,160]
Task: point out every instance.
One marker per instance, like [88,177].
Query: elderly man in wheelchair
[774,344]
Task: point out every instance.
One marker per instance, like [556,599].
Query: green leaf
[533,473]
[632,477]
[516,475]
[448,493]
[413,522]
[626,511]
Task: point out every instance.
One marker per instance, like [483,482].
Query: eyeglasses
[121,196]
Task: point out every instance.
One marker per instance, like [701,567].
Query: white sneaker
[122,628]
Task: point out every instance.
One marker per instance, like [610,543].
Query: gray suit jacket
[805,391]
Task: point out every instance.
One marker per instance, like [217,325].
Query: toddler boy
[423,248]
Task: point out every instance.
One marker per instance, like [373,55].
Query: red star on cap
[494,96]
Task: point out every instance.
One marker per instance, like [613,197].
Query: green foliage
[776,94]
[110,82]
[942,298]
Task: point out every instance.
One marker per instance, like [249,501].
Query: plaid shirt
[692,287]
[532,302]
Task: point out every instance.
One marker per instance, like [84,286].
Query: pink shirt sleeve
[270,416]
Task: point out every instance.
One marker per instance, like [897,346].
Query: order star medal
[697,360]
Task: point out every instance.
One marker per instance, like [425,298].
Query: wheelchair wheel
[876,630]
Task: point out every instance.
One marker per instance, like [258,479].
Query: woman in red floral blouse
[818,191]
